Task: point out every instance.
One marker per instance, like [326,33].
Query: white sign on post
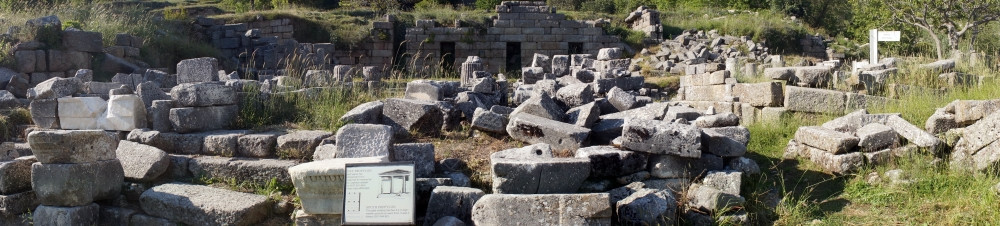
[889,36]
[875,36]
[379,194]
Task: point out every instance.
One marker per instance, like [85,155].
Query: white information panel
[889,36]
[379,194]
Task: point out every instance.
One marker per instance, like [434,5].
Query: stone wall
[535,27]
[648,21]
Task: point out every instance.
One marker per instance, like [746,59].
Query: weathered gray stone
[721,144]
[680,112]
[826,139]
[609,54]
[203,69]
[72,146]
[648,207]
[300,144]
[15,175]
[837,164]
[57,88]
[712,199]
[159,115]
[912,133]
[61,184]
[364,140]
[488,121]
[141,162]
[584,115]
[421,154]
[875,136]
[13,204]
[222,143]
[765,94]
[575,95]
[149,92]
[203,205]
[412,115]
[669,166]
[538,175]
[527,152]
[622,100]
[44,113]
[725,181]
[451,201]
[541,106]
[86,214]
[257,145]
[424,90]
[560,65]
[743,164]
[259,171]
[563,209]
[718,120]
[366,113]
[939,66]
[660,137]
[814,76]
[203,94]
[534,129]
[83,41]
[196,119]
[19,85]
[608,161]
[304,219]
[318,78]
[779,73]
[814,100]
[542,61]
[8,100]
[531,75]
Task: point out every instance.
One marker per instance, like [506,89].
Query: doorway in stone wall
[575,48]
[513,57]
[448,56]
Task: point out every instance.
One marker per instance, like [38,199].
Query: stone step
[203,205]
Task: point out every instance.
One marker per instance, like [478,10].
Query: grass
[937,195]
[9,121]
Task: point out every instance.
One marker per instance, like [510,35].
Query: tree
[948,18]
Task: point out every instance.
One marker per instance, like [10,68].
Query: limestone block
[320,184]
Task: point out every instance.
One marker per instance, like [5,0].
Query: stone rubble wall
[537,27]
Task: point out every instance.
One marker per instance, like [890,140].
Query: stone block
[258,171]
[659,137]
[562,209]
[203,94]
[451,201]
[412,115]
[83,41]
[300,144]
[61,184]
[203,205]
[320,184]
[421,154]
[366,113]
[534,129]
[584,115]
[608,161]
[826,139]
[87,214]
[765,94]
[814,100]
[875,137]
[542,106]
[488,121]
[141,162]
[196,119]
[203,69]
[15,175]
[257,145]
[364,140]
[575,95]
[72,146]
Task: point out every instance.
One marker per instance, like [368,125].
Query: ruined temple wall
[536,27]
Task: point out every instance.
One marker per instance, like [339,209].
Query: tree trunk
[937,40]
[953,40]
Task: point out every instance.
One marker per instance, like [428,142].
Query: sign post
[875,36]
[379,194]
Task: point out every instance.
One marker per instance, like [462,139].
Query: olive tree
[952,19]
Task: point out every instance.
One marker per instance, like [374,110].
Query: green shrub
[600,6]
[565,4]
[488,5]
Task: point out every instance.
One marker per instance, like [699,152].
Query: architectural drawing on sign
[394,182]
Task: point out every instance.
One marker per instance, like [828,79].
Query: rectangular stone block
[765,94]
[203,205]
[61,184]
[320,184]
[194,119]
[814,100]
[826,139]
